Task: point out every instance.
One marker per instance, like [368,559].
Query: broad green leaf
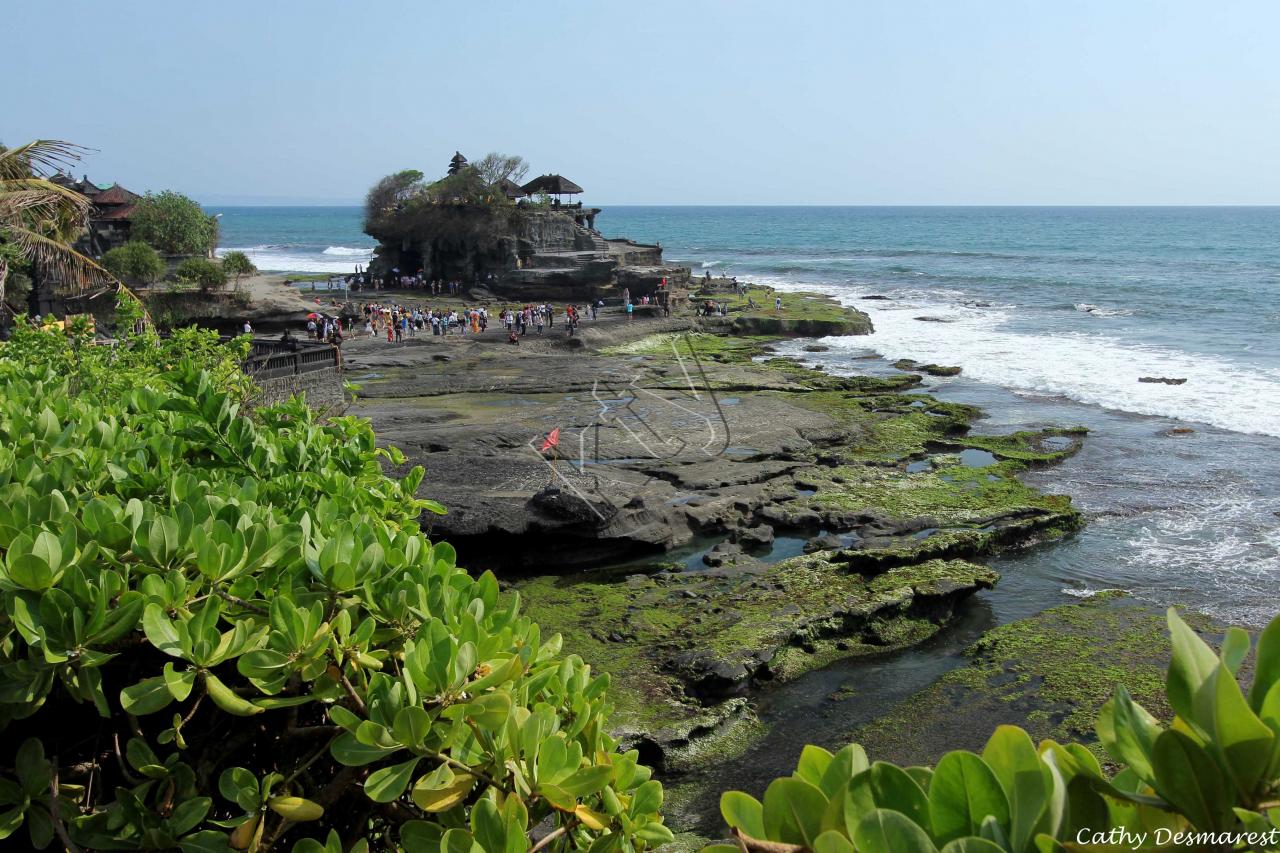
[160,630]
[972,844]
[964,791]
[1189,779]
[351,752]
[179,683]
[647,799]
[146,697]
[388,783]
[744,812]
[1266,668]
[813,763]
[490,710]
[227,699]
[1246,742]
[1192,665]
[442,789]
[1012,757]
[1128,732]
[296,808]
[893,788]
[845,764]
[793,811]
[1235,646]
[586,781]
[832,842]
[887,831]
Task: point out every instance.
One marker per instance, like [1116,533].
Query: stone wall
[323,388]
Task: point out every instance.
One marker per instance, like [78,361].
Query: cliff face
[515,250]
[463,242]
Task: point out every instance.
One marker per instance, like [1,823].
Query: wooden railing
[271,359]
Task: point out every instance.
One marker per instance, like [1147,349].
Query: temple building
[109,220]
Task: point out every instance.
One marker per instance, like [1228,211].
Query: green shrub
[237,264]
[1206,782]
[173,224]
[226,631]
[135,261]
[202,272]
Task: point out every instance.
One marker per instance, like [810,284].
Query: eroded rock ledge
[802,517]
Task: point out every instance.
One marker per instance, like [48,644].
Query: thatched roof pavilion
[511,189]
[457,163]
[556,185]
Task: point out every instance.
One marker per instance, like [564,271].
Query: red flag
[552,440]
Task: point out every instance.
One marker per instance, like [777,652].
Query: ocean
[1054,314]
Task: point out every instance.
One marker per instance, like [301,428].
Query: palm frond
[39,157]
[57,258]
[23,199]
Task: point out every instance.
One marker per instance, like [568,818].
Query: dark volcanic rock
[1161,380]
[756,537]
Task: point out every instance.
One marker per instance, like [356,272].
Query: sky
[687,102]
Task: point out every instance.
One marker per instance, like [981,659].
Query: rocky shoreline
[716,518]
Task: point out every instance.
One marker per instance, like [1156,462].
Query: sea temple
[520,240]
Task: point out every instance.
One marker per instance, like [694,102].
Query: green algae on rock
[1049,673]
[674,641]
[883,488]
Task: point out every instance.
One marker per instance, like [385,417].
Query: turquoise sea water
[1054,314]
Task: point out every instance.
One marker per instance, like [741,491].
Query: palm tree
[40,218]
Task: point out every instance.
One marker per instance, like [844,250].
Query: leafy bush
[174,224]
[237,264]
[202,272]
[135,261]
[226,631]
[1209,781]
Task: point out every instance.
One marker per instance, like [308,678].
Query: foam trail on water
[278,259]
[1090,368]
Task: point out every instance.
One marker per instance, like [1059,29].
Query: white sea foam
[286,259]
[1099,311]
[348,251]
[1086,592]
[1222,543]
[1091,368]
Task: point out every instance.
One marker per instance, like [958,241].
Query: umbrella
[313,316]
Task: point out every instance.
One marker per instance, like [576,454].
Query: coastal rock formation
[482,231]
[771,517]
[930,369]
[1050,673]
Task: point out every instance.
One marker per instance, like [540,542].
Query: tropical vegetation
[135,261]
[469,204]
[202,272]
[39,220]
[174,224]
[223,628]
[237,264]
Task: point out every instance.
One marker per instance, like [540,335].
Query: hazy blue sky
[895,102]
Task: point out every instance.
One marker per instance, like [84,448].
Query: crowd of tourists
[399,322]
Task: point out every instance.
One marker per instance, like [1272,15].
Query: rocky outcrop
[930,369]
[768,518]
